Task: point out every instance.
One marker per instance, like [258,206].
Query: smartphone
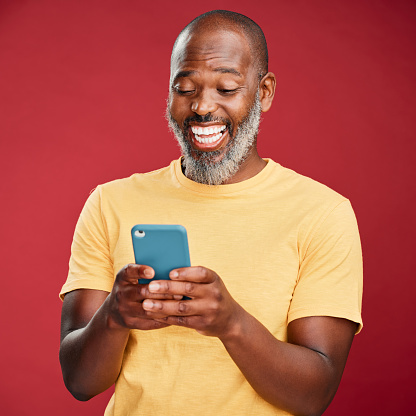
[163,247]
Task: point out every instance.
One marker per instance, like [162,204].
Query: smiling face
[215,102]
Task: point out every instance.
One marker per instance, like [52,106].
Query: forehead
[212,48]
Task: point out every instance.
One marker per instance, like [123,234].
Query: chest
[253,250]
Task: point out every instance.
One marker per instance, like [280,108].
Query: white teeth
[199,132]
[208,139]
[207,130]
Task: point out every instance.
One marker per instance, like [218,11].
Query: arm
[95,329]
[300,376]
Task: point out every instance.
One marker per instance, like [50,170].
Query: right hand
[125,300]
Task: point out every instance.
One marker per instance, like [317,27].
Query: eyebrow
[228,71]
[185,74]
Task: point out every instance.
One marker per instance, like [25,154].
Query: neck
[251,166]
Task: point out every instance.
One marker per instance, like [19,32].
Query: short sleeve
[90,265]
[330,280]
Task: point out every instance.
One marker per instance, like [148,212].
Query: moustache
[197,118]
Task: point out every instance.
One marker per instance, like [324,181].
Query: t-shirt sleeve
[90,265]
[330,280]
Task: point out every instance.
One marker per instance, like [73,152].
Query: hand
[211,309]
[125,300]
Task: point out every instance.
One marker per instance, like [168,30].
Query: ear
[267,90]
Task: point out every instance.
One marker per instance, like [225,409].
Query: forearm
[300,375]
[91,357]
[292,377]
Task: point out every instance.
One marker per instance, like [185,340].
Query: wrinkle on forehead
[205,45]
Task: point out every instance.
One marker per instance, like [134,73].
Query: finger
[197,274]
[145,293]
[175,289]
[137,293]
[151,324]
[133,272]
[157,308]
[194,322]
[131,313]
[145,324]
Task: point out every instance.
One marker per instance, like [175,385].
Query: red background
[82,98]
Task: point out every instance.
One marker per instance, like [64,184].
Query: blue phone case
[163,247]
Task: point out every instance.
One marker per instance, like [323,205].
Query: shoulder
[302,192]
[308,186]
[135,182]
[309,206]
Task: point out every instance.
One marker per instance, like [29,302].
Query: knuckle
[122,311]
[182,320]
[182,307]
[128,269]
[157,306]
[157,324]
[129,321]
[213,306]
[118,294]
[189,288]
[208,321]
[121,273]
[202,271]
[217,293]
[143,291]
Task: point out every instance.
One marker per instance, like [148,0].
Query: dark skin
[301,375]
[214,74]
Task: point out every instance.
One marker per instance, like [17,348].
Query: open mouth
[208,137]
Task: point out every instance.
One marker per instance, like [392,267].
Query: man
[276,301]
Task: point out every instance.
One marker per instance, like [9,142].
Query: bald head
[220,20]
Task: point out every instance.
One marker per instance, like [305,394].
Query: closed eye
[183,92]
[225,91]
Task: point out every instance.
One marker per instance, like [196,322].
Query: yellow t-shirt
[285,246]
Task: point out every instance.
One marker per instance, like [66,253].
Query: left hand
[210,311]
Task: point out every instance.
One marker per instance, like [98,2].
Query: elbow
[310,410]
[73,382]
[315,406]
[314,403]
[81,396]
[76,390]
[316,412]
[318,406]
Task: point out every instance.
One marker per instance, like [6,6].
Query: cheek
[179,109]
[237,112]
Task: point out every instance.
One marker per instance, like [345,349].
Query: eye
[226,91]
[181,92]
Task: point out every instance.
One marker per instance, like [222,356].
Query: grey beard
[204,168]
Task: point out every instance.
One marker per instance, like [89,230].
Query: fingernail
[154,286]
[174,274]
[147,273]
[147,304]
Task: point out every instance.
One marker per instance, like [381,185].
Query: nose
[203,104]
